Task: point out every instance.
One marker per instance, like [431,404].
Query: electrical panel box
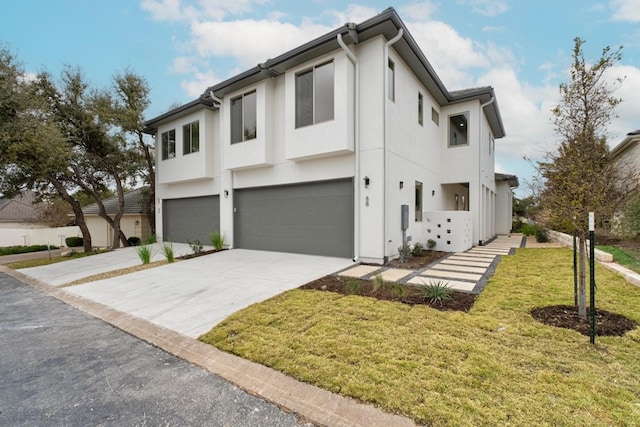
[404,217]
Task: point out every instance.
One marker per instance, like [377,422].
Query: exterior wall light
[366,182]
[401,184]
[226,193]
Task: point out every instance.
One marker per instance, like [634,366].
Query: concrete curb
[628,275]
[313,403]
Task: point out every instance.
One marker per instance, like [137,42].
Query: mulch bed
[566,316]
[426,258]
[405,293]
[201,253]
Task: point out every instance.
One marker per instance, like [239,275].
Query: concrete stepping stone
[471,262]
[476,255]
[460,268]
[395,274]
[457,285]
[359,271]
[451,275]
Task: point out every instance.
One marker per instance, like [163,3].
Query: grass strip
[492,366]
[622,257]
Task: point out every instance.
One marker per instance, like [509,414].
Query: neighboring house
[316,150]
[627,153]
[22,212]
[134,222]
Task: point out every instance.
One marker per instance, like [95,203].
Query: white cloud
[198,82]
[353,13]
[629,110]
[168,10]
[249,41]
[452,55]
[419,10]
[486,7]
[626,10]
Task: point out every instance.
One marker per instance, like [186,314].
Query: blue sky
[520,47]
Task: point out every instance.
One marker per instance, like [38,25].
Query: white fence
[451,230]
[37,236]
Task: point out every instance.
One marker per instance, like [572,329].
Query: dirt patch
[404,293]
[417,262]
[566,316]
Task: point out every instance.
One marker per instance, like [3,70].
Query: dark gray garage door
[315,218]
[194,218]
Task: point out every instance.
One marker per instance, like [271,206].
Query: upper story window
[244,117]
[418,201]
[458,130]
[191,137]
[435,116]
[315,95]
[391,76]
[169,144]
[420,109]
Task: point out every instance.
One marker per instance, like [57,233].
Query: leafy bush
[437,291]
[529,229]
[144,252]
[10,250]
[133,241]
[167,251]
[417,250]
[217,240]
[405,253]
[196,247]
[73,241]
[151,240]
[516,226]
[431,243]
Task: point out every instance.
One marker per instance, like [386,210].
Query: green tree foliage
[580,177]
[630,218]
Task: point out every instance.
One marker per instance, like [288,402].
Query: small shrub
[405,253]
[431,243]
[529,229]
[437,291]
[516,226]
[167,251]
[133,241]
[74,242]
[10,250]
[144,252]
[151,240]
[400,289]
[353,287]
[417,249]
[541,235]
[217,240]
[196,247]
[378,282]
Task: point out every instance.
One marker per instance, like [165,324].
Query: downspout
[385,97]
[221,156]
[480,185]
[356,146]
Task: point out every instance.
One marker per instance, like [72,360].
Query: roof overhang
[512,180]
[386,24]
[626,143]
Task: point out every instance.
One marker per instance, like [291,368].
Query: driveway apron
[192,296]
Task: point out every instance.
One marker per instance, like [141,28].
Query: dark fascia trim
[373,27]
[511,179]
[151,126]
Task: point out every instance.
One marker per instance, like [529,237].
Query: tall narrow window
[458,130]
[418,204]
[456,198]
[169,144]
[244,117]
[391,80]
[191,137]
[315,95]
[420,109]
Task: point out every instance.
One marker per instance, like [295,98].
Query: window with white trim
[191,137]
[418,201]
[244,117]
[315,95]
[420,109]
[391,76]
[168,144]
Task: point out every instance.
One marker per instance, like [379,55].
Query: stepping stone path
[463,271]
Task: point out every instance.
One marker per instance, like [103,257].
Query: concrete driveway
[192,296]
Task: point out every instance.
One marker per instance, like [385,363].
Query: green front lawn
[492,366]
[46,261]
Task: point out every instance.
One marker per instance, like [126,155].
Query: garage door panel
[190,219]
[315,218]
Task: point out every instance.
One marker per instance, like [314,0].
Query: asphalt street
[60,366]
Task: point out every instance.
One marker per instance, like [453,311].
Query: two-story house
[316,150]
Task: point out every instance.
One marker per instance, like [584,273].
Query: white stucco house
[626,154]
[316,150]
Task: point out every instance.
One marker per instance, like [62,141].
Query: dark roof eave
[151,126]
[512,180]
